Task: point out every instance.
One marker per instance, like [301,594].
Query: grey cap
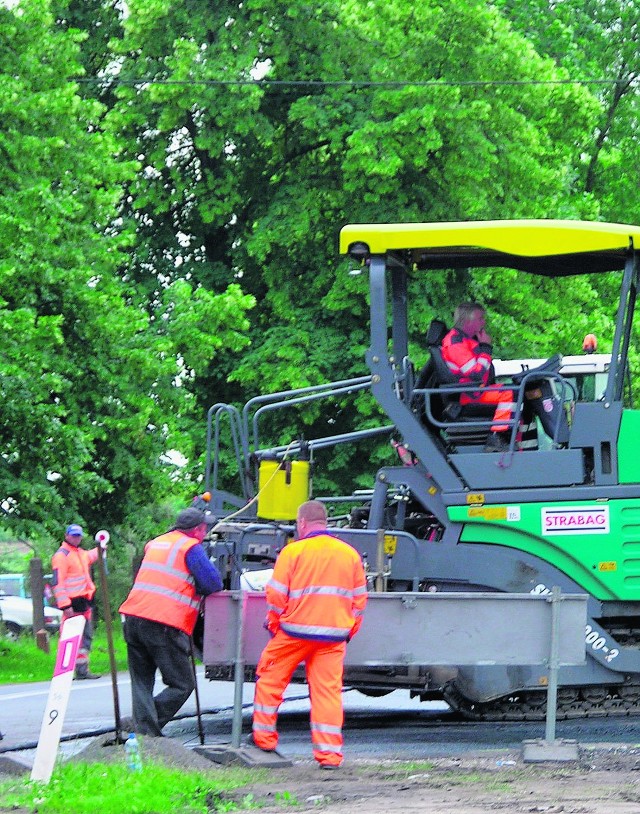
[189,519]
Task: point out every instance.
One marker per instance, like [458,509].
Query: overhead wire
[354,83]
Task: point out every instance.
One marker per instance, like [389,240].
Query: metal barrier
[452,629]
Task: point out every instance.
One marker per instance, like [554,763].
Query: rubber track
[573,702]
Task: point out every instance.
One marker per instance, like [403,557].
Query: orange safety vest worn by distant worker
[72,574]
[164,589]
[315,594]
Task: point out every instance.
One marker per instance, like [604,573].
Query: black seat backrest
[435,372]
[436,332]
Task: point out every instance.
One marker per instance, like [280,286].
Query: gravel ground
[603,781]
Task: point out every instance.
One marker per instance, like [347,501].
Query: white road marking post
[53,718]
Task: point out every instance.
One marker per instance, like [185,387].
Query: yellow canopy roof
[600,246]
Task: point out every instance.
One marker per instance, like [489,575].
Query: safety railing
[247,443]
[485,423]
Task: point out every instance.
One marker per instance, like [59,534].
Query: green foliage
[13,560]
[458,150]
[595,41]
[524,313]
[285,798]
[66,322]
[112,789]
[248,185]
[90,398]
[169,241]
[21,661]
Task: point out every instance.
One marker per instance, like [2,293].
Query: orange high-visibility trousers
[503,399]
[324,667]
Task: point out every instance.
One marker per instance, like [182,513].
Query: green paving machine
[449,516]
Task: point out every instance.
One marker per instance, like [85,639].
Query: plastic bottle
[132,748]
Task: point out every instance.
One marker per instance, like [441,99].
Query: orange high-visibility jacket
[467,358]
[318,589]
[164,589]
[72,574]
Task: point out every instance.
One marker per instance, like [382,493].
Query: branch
[620,88]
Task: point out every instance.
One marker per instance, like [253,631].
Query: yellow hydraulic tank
[283,486]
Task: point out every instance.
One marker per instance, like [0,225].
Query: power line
[322,83]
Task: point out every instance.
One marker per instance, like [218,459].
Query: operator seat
[446,406]
[435,372]
[539,399]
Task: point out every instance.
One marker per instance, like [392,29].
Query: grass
[284,798]
[112,789]
[490,782]
[21,661]
[76,788]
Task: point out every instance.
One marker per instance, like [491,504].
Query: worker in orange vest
[160,614]
[467,351]
[315,601]
[74,590]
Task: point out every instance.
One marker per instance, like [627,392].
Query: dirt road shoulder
[605,780]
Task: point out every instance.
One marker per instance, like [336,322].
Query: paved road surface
[91,709]
[393,726]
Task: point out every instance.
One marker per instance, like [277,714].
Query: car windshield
[12,585]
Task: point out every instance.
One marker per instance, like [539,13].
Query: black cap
[189,519]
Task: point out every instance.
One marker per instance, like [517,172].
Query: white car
[16,615]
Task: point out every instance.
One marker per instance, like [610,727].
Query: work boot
[330,765]
[87,675]
[250,742]
[496,442]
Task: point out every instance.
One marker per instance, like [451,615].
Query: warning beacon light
[590,343]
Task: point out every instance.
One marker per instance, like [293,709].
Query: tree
[248,184]
[89,399]
[596,42]
[380,111]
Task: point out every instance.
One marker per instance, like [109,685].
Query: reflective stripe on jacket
[164,589]
[468,359]
[72,574]
[318,589]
